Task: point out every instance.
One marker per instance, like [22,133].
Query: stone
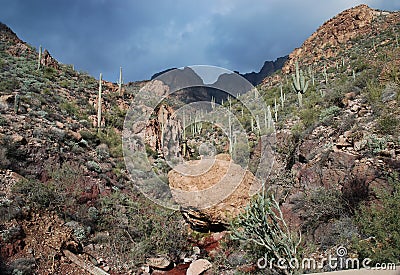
[390,92]
[16,138]
[342,142]
[198,267]
[355,108]
[59,125]
[75,135]
[211,191]
[159,262]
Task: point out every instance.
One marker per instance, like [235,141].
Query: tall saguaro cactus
[40,57]
[99,104]
[299,84]
[120,82]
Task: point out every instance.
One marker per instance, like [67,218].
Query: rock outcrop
[48,61]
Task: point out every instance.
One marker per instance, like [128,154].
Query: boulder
[159,262]
[211,191]
[198,267]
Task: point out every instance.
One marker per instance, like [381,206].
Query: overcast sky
[145,37]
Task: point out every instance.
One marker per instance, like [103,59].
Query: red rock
[178,270]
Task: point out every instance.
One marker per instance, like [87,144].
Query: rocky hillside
[63,179]
[68,206]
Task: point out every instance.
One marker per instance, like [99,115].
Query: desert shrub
[70,108]
[113,139]
[388,124]
[379,224]
[338,231]
[115,117]
[37,193]
[90,136]
[319,206]
[140,228]
[50,73]
[12,151]
[3,121]
[376,144]
[374,93]
[333,97]
[63,192]
[8,85]
[327,114]
[309,117]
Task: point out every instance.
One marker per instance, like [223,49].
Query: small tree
[262,223]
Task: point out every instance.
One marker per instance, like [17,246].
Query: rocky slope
[63,178]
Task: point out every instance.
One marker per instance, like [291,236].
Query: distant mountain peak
[267,69]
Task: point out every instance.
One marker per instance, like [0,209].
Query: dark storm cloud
[145,37]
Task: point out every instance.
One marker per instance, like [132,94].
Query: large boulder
[211,191]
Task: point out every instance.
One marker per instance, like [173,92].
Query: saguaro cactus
[16,103]
[120,82]
[40,57]
[299,84]
[282,97]
[325,75]
[212,102]
[99,104]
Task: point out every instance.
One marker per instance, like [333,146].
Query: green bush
[379,223]
[70,108]
[319,206]
[9,85]
[141,229]
[388,124]
[41,195]
[113,139]
[309,117]
[327,114]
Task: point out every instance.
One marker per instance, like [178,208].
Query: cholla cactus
[263,223]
